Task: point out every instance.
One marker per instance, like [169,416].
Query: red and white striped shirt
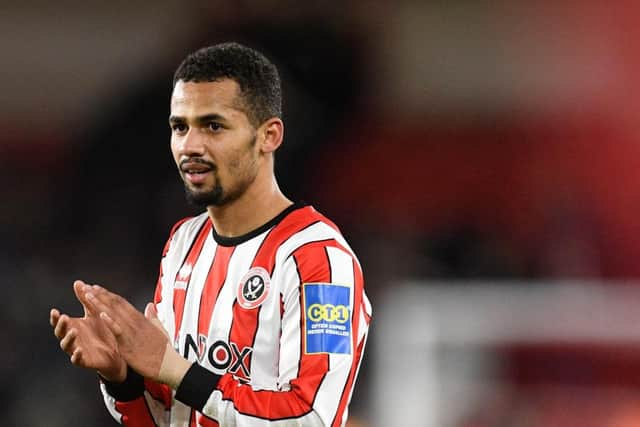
[276,322]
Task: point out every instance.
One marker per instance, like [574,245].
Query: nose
[191,144]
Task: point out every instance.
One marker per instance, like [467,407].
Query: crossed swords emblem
[253,288]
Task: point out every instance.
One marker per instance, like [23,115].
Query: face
[212,141]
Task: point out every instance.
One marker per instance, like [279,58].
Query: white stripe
[290,340]
[110,403]
[180,414]
[160,417]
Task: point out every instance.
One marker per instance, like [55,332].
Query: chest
[219,303]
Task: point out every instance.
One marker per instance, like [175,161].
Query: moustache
[196,160]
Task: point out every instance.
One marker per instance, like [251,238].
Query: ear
[271,134]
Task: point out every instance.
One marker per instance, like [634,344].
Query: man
[259,316]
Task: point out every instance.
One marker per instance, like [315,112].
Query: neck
[262,201]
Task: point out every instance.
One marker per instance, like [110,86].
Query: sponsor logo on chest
[223,356]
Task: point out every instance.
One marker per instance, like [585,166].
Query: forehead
[197,98]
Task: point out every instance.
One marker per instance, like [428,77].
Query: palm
[99,346]
[88,340]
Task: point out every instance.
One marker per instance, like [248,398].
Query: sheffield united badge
[253,288]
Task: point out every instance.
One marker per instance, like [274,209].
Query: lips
[195,171]
[191,167]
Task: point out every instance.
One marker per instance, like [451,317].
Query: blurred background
[481,157]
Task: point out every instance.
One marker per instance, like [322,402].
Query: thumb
[150,311]
[151,314]
[79,290]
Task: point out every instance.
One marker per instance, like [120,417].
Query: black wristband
[130,389]
[196,386]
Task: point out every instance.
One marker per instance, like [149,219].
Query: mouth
[195,172]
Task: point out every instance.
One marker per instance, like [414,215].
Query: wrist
[127,390]
[173,368]
[117,374]
[196,387]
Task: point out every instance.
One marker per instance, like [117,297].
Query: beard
[219,196]
[202,199]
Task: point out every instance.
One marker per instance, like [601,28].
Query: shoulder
[188,225]
[185,230]
[315,239]
[307,222]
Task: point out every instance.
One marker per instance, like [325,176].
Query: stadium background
[480,156]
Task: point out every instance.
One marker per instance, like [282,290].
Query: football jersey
[275,322]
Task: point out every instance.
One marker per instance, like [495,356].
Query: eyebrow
[200,119]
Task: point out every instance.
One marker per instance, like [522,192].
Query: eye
[214,126]
[179,127]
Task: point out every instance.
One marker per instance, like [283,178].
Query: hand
[88,340]
[141,341]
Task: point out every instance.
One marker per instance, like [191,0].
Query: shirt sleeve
[137,402]
[324,318]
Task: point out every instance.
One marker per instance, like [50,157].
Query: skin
[208,123]
[87,340]
[210,133]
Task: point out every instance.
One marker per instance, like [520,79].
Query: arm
[315,394]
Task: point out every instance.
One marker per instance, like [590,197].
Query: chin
[204,197]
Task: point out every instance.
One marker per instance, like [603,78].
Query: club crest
[253,288]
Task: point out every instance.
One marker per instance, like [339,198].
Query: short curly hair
[257,77]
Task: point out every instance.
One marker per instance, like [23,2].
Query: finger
[54,316]
[61,328]
[76,357]
[96,303]
[107,297]
[100,291]
[111,324]
[116,306]
[151,313]
[66,343]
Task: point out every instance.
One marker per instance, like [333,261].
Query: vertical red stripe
[157,295]
[215,279]
[135,413]
[245,322]
[160,392]
[313,266]
[179,295]
[358,290]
